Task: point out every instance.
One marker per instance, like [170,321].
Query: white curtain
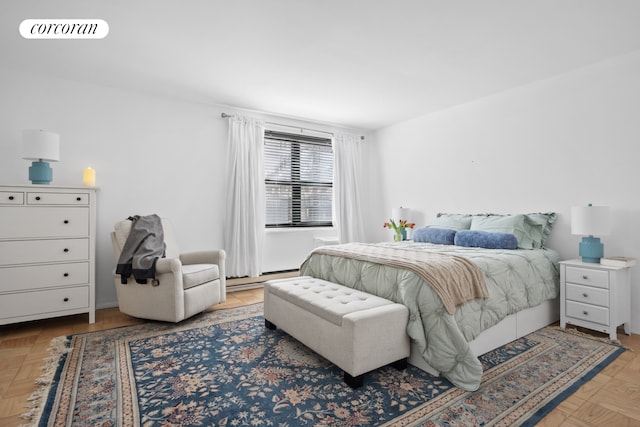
[346,184]
[245,217]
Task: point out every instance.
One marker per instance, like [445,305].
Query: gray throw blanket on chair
[142,249]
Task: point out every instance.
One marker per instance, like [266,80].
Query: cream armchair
[187,283]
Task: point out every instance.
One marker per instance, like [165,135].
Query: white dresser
[595,296]
[47,252]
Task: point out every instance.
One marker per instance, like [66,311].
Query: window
[298,180]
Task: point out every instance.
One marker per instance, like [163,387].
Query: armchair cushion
[197,274]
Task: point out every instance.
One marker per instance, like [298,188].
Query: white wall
[151,155]
[547,146]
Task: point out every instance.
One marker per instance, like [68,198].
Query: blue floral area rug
[224,368]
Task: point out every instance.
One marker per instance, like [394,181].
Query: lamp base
[40,173]
[591,250]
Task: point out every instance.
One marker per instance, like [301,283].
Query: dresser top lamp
[41,147]
[589,221]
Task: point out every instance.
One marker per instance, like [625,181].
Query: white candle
[89,177]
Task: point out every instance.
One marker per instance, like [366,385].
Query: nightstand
[595,296]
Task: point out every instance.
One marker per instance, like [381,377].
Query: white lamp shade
[590,220]
[400,213]
[40,145]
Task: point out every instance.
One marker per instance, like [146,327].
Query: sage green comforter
[516,279]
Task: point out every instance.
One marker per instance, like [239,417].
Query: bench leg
[400,365]
[353,382]
[269,325]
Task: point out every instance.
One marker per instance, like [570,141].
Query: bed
[522,285]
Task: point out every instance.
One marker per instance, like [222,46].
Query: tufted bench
[356,331]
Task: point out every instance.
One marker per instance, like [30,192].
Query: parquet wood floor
[611,398]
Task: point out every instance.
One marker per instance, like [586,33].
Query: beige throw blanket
[454,279]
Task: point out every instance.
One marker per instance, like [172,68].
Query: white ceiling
[356,63]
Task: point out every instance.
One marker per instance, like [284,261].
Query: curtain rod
[226,116]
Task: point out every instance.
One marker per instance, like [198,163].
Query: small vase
[398,236]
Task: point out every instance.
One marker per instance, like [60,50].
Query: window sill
[297,229]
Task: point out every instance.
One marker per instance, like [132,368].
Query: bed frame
[508,329]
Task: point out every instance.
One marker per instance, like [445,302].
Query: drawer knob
[66,249]
[586,313]
[585,277]
[66,274]
[10,197]
[586,295]
[66,299]
[66,221]
[37,197]
[78,198]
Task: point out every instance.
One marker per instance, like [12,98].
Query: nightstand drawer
[25,278]
[590,313]
[47,301]
[41,251]
[11,198]
[588,295]
[587,276]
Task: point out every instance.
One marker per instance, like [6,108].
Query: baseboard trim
[243,283]
[244,287]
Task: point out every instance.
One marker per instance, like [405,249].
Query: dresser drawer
[590,313]
[11,198]
[46,301]
[25,278]
[28,222]
[42,251]
[45,198]
[587,276]
[587,294]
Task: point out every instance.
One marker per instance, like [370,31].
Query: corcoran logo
[64,29]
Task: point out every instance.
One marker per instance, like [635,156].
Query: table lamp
[400,213]
[588,221]
[40,146]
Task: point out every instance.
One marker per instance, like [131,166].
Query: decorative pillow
[535,229]
[537,226]
[485,239]
[543,223]
[512,224]
[452,221]
[439,236]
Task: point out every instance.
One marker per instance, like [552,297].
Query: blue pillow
[485,239]
[509,224]
[439,236]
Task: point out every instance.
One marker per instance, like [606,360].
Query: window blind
[298,180]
